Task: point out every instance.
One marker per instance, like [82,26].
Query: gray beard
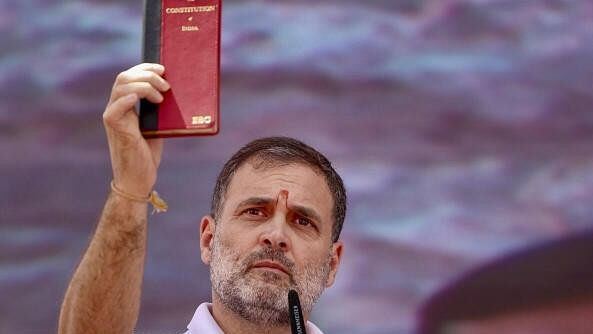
[262,297]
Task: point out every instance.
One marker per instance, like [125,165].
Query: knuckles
[133,75]
[122,77]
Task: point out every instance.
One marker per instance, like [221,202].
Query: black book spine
[151,50]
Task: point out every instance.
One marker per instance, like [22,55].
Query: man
[543,289]
[277,212]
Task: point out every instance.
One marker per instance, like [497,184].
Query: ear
[207,228]
[334,264]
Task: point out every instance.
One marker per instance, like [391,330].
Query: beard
[261,297]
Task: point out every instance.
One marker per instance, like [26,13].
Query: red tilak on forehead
[283,196]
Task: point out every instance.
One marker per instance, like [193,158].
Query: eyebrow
[301,210]
[306,212]
[255,201]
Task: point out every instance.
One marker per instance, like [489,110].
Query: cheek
[229,245]
[235,232]
[314,258]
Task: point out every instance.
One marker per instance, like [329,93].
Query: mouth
[270,266]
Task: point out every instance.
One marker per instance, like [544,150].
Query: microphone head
[293,297]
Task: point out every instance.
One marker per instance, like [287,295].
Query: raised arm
[104,293]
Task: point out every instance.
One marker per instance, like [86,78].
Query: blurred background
[462,128]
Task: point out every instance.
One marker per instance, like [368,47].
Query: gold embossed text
[196,9]
[200,120]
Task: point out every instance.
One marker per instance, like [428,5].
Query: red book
[184,36]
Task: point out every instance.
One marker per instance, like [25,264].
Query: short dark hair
[274,151]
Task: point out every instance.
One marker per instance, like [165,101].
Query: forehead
[305,186]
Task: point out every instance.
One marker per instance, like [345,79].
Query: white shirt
[204,323]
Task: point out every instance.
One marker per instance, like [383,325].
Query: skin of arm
[104,293]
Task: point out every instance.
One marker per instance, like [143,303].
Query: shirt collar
[203,322]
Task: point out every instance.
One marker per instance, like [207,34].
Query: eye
[304,221]
[253,212]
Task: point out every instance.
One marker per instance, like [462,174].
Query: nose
[275,234]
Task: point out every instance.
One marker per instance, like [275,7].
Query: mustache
[271,255]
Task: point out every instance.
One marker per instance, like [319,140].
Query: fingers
[157,68]
[137,75]
[143,90]
[144,80]
[117,109]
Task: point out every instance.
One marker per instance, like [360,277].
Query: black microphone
[297,322]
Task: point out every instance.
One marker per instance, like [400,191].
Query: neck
[232,323]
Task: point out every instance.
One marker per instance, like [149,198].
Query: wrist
[135,189]
[158,204]
[130,193]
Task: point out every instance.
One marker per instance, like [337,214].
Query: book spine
[151,46]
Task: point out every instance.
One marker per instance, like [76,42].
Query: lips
[270,265]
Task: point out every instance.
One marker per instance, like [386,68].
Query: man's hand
[104,293]
[134,160]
